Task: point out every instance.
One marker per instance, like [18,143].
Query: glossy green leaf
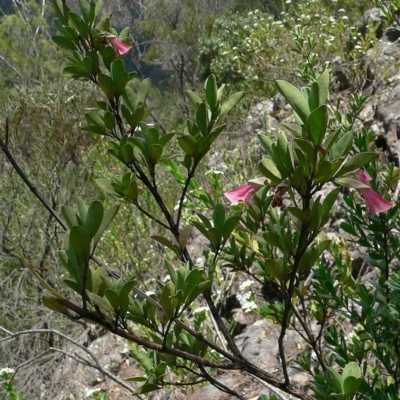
[211,91]
[61,10]
[69,215]
[229,225]
[323,81]
[143,91]
[202,119]
[166,243]
[295,129]
[295,99]
[193,97]
[79,241]
[219,216]
[356,162]
[53,304]
[230,103]
[282,150]
[136,117]
[107,85]
[268,169]
[77,22]
[275,269]
[98,8]
[313,97]
[117,68]
[100,302]
[113,297]
[94,218]
[334,379]
[85,10]
[342,147]
[317,123]
[188,144]
[64,42]
[326,170]
[327,205]
[108,216]
[82,210]
[166,301]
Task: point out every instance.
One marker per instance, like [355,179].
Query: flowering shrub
[277,237]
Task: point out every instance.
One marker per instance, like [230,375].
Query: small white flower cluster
[6,371]
[246,296]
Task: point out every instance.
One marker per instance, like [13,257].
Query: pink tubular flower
[375,203]
[242,193]
[119,47]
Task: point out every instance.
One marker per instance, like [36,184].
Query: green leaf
[85,10]
[108,55]
[268,169]
[211,91]
[219,216]
[53,304]
[356,162]
[188,144]
[104,24]
[334,379]
[82,209]
[194,98]
[295,129]
[229,225]
[166,243]
[95,119]
[143,360]
[275,269]
[326,170]
[146,388]
[80,243]
[350,182]
[64,42]
[100,302]
[127,153]
[94,218]
[296,212]
[307,149]
[165,300]
[295,99]
[98,8]
[143,91]
[327,205]
[313,97]
[317,123]
[107,85]
[61,11]
[105,184]
[283,153]
[113,298]
[77,22]
[230,103]
[69,215]
[352,379]
[343,146]
[117,68]
[323,93]
[202,119]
